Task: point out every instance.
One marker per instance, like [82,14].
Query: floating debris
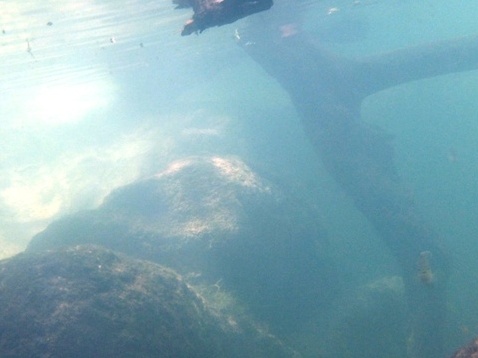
[29,49]
[425,273]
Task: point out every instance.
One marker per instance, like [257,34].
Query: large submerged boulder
[87,301]
[368,321]
[469,351]
[214,218]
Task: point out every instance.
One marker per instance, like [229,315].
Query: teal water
[107,94]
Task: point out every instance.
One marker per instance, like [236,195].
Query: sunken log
[327,90]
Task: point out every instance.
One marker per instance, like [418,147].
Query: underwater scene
[239,178]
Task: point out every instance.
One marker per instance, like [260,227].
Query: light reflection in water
[63,147]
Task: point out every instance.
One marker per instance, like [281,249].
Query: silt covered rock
[217,219]
[86,301]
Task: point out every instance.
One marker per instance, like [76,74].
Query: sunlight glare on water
[59,76]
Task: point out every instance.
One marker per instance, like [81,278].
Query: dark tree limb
[210,13]
[418,62]
[327,91]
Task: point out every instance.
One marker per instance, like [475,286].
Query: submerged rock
[469,351]
[215,218]
[369,321]
[86,301]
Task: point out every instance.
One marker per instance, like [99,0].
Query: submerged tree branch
[327,91]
